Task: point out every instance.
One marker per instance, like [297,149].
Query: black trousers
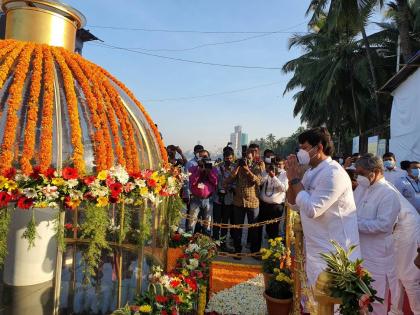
[270,211]
[221,214]
[253,235]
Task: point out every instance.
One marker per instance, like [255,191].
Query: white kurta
[394,176]
[328,212]
[406,239]
[377,209]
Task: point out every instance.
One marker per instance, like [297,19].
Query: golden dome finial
[42,21]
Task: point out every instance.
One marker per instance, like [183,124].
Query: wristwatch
[294,181]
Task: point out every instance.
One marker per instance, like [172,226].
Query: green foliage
[5,217]
[125,217]
[145,225]
[59,232]
[175,206]
[125,311]
[30,233]
[94,229]
[349,280]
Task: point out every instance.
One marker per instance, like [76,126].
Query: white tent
[405,113]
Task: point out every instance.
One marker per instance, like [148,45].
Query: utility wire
[184,60]
[215,43]
[118,28]
[209,95]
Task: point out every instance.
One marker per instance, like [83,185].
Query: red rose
[35,172]
[113,199]
[70,173]
[151,183]
[199,274]
[163,312]
[115,189]
[10,173]
[161,299]
[4,198]
[174,311]
[191,283]
[68,226]
[176,237]
[203,264]
[25,203]
[136,175]
[196,255]
[49,173]
[89,180]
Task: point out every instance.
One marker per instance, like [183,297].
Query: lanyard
[266,186]
[416,190]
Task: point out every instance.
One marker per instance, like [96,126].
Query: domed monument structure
[58,109]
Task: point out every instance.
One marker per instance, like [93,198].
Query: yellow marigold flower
[58,181]
[279,239]
[266,255]
[263,250]
[102,201]
[11,185]
[146,308]
[102,175]
[3,182]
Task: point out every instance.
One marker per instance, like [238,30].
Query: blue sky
[209,120]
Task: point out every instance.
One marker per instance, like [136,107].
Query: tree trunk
[372,71]
[353,96]
[403,23]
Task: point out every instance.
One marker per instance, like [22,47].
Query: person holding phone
[203,183]
[246,177]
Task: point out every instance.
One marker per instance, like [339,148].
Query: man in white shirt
[272,196]
[378,206]
[392,173]
[324,198]
[409,186]
[406,239]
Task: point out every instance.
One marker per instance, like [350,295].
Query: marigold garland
[45,145]
[143,110]
[99,147]
[95,80]
[109,112]
[32,116]
[14,103]
[11,52]
[71,99]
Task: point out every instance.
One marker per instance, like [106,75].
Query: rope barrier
[232,226]
[239,255]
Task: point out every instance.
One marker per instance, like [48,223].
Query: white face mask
[268,160]
[340,161]
[304,157]
[363,181]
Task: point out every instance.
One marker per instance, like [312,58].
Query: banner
[373,145]
[381,147]
[355,145]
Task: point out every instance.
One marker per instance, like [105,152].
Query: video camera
[206,163]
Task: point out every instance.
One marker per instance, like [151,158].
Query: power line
[186,60]
[209,95]
[215,43]
[118,28]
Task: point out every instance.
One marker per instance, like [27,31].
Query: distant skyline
[193,102]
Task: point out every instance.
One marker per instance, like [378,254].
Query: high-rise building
[238,139]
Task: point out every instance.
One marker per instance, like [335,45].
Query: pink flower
[129,187]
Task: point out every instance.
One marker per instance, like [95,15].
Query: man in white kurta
[324,199]
[378,206]
[406,239]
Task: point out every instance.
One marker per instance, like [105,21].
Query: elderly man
[406,237]
[378,206]
[324,198]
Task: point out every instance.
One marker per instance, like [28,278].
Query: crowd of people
[364,200]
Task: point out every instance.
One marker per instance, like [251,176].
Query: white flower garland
[245,298]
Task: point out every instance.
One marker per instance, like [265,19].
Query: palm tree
[271,141]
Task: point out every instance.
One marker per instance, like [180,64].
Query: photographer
[203,183]
[223,198]
[247,178]
[272,196]
[172,151]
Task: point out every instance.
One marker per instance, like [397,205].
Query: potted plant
[279,294]
[271,258]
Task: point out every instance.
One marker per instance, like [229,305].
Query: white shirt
[273,189]
[378,207]
[406,240]
[410,189]
[394,176]
[328,212]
